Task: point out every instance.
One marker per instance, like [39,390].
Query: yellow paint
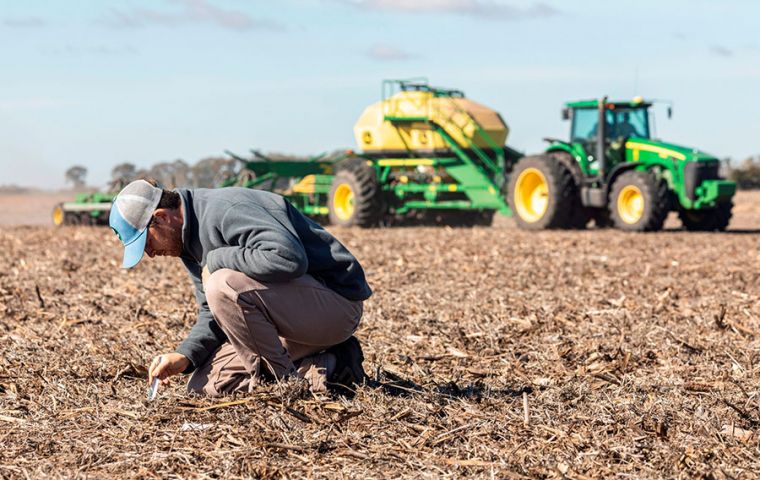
[630,204]
[403,179]
[452,188]
[343,201]
[636,153]
[456,115]
[324,210]
[306,185]
[436,179]
[58,216]
[663,152]
[531,195]
[403,162]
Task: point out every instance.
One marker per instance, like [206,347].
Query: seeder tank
[402,122]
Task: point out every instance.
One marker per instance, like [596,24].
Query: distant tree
[76,176]
[171,174]
[747,175]
[181,172]
[142,173]
[162,172]
[211,171]
[122,174]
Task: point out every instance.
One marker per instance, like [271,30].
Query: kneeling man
[277,294]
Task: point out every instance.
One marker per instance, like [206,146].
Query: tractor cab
[623,120]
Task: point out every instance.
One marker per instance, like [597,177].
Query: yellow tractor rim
[630,204]
[58,216]
[343,201]
[531,195]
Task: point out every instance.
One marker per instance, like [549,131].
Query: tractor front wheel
[354,195]
[542,193]
[707,220]
[639,202]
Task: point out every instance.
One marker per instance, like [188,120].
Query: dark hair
[169,198]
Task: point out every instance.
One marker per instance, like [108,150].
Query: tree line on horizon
[207,172]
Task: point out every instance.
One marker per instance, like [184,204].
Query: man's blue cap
[131,212]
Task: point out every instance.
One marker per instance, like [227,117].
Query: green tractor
[613,172]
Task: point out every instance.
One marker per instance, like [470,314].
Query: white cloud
[387,53]
[190,11]
[479,8]
[721,51]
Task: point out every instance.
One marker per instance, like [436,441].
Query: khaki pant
[269,326]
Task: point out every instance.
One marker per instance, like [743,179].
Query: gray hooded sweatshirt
[262,235]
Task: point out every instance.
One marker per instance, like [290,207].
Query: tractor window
[620,122]
[584,124]
[628,122]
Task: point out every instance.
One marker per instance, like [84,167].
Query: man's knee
[223,289]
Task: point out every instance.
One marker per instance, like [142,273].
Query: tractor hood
[667,150]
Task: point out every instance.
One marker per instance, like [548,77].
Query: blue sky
[103,82]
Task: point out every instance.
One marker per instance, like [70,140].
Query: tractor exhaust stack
[600,144]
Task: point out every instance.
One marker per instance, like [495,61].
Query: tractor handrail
[494,167]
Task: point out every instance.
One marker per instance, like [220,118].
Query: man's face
[164,234]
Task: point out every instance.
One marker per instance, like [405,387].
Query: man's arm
[259,246]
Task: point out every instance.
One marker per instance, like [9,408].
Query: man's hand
[167,365]
[204,276]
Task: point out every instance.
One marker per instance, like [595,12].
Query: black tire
[707,220]
[72,218]
[601,217]
[561,195]
[580,215]
[654,195]
[356,177]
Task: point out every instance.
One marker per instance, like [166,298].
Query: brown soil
[493,352]
[30,208]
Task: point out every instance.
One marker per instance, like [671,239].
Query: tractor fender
[563,147]
[616,172]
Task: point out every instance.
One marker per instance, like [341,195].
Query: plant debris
[492,352]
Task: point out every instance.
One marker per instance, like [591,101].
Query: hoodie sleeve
[206,335]
[258,245]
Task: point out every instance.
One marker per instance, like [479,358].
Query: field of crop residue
[493,352]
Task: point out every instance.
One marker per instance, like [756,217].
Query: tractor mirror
[565,114]
[670,112]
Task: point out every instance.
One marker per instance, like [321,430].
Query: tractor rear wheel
[355,195]
[707,220]
[639,202]
[580,215]
[542,193]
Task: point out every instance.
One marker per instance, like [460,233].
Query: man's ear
[160,215]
